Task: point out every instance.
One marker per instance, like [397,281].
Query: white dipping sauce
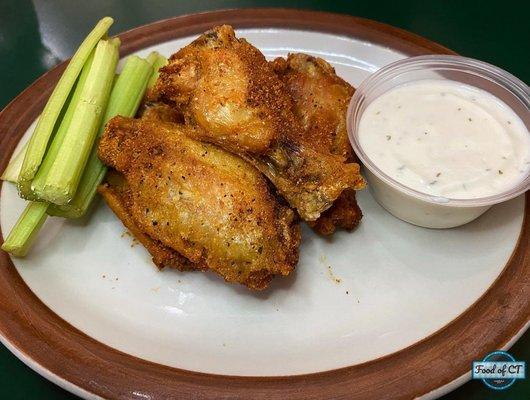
[447,139]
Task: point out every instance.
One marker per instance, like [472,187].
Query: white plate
[354,298]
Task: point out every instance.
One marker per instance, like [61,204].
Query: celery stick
[13,168]
[39,181]
[124,100]
[64,175]
[157,61]
[151,58]
[25,230]
[47,121]
[128,90]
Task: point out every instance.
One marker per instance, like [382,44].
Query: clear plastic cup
[411,205]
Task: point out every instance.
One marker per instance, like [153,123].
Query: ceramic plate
[389,309]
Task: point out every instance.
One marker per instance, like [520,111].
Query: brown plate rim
[33,331]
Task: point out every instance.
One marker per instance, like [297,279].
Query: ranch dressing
[447,139]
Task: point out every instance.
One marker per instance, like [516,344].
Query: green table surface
[36,35]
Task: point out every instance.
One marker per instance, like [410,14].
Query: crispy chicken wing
[205,204]
[230,94]
[321,100]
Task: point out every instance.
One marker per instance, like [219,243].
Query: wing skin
[117,195]
[153,111]
[230,94]
[209,206]
[345,213]
[321,100]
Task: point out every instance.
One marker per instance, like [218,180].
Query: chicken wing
[321,100]
[230,94]
[207,205]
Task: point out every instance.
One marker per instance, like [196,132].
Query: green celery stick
[157,61]
[151,58]
[48,119]
[63,177]
[125,98]
[39,181]
[13,168]
[25,230]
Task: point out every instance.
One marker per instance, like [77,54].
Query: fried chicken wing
[321,100]
[230,94]
[207,205]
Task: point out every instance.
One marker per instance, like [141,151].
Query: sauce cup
[404,202]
